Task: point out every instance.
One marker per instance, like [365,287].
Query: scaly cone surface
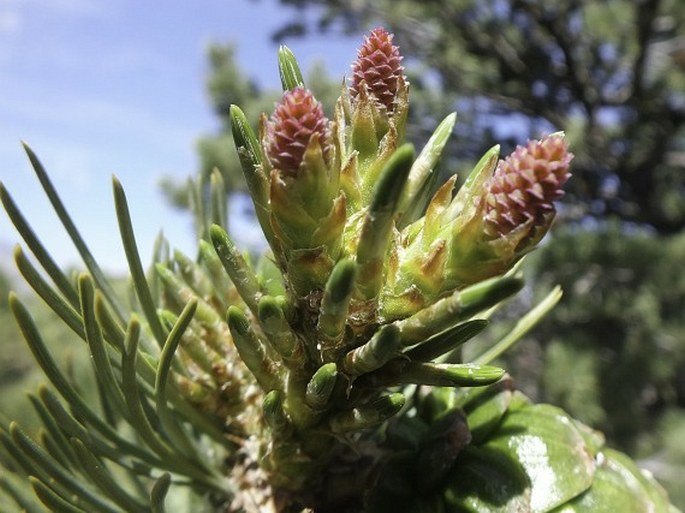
[378,68]
[525,184]
[296,120]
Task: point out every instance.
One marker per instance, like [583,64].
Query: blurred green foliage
[612,353]
[19,375]
[17,371]
[620,326]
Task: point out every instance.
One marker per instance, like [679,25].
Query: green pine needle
[242,276]
[523,326]
[289,69]
[380,221]
[134,264]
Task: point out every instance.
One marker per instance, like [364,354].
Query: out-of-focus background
[142,90]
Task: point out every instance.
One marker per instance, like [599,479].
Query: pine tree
[327,376]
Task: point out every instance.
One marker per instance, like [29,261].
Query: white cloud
[69,7]
[14,16]
[10,22]
[13,13]
[10,27]
[75,6]
[90,114]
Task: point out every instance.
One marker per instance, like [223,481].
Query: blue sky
[102,87]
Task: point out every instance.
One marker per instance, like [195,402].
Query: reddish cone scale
[297,118]
[378,65]
[525,184]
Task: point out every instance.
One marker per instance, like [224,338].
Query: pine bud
[501,212]
[297,118]
[378,65]
[525,184]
